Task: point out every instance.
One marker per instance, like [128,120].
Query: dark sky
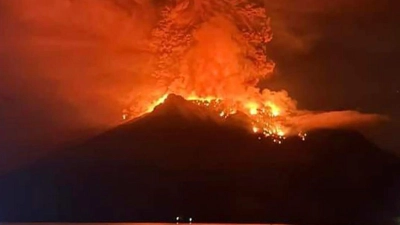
[330,55]
[346,57]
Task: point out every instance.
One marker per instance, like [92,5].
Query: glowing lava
[213,53]
[264,119]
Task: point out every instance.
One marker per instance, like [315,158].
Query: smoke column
[205,49]
[69,65]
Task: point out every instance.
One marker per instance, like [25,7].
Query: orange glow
[253,111]
[156,103]
[263,117]
[130,56]
[197,58]
[275,111]
[252,107]
[280,133]
[255,129]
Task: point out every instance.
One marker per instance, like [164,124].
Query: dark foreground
[172,163]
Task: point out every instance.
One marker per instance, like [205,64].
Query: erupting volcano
[202,135]
[214,53]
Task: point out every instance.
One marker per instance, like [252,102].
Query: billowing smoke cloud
[218,50]
[75,64]
[211,48]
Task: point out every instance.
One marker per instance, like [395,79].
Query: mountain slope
[182,160]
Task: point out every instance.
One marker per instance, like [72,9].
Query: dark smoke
[68,66]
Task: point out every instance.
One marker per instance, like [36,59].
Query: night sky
[330,55]
[345,57]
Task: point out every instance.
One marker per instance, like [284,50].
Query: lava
[264,119]
[213,53]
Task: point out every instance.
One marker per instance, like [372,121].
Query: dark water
[194,223]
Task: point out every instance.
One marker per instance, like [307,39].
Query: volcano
[181,159]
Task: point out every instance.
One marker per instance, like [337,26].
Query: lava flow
[214,53]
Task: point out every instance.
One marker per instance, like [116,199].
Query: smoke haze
[72,65]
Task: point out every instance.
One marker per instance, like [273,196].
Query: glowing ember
[280,133]
[264,120]
[253,111]
[255,129]
[213,53]
[303,136]
[252,107]
[275,111]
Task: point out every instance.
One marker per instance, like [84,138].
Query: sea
[134,224]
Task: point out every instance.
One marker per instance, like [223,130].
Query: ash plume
[74,64]
[207,49]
